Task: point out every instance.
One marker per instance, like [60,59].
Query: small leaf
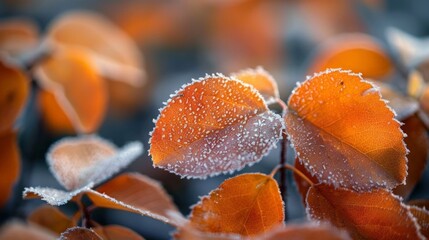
[51,218]
[422,216]
[261,80]
[115,54]
[78,161]
[14,90]
[113,232]
[344,133]
[54,196]
[247,204]
[18,36]
[20,231]
[417,142]
[365,215]
[359,53]
[10,165]
[74,97]
[80,233]
[212,126]
[139,194]
[307,231]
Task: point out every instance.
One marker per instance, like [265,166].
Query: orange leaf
[422,216]
[356,52]
[14,89]
[80,233]
[212,126]
[19,231]
[261,80]
[417,142]
[113,232]
[247,204]
[366,215]
[73,94]
[115,54]
[18,36]
[344,133]
[51,218]
[9,166]
[308,231]
[139,194]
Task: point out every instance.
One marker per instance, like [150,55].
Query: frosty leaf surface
[422,217]
[14,90]
[301,183]
[211,126]
[51,218]
[247,204]
[10,164]
[417,142]
[80,233]
[77,161]
[74,97]
[113,232]
[366,215]
[262,80]
[359,53]
[136,193]
[116,56]
[53,196]
[344,133]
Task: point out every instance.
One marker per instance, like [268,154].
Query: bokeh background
[185,39]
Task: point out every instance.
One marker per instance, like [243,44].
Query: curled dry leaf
[366,215]
[14,90]
[74,97]
[20,231]
[136,193]
[18,36]
[114,232]
[10,165]
[77,161]
[212,126]
[115,54]
[51,218]
[261,80]
[80,233]
[417,142]
[308,231]
[247,204]
[359,53]
[344,133]
[422,216]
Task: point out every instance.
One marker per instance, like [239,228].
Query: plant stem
[283,155]
[293,169]
[86,215]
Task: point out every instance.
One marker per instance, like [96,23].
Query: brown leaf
[417,142]
[18,36]
[247,204]
[359,53]
[211,126]
[137,193]
[115,54]
[74,97]
[422,216]
[261,80]
[14,90]
[51,218]
[421,203]
[366,215]
[10,165]
[19,231]
[113,232]
[344,133]
[80,233]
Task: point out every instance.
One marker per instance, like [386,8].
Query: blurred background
[184,39]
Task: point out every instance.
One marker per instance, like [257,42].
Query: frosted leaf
[137,193]
[79,233]
[53,196]
[76,161]
[262,80]
[345,134]
[212,126]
